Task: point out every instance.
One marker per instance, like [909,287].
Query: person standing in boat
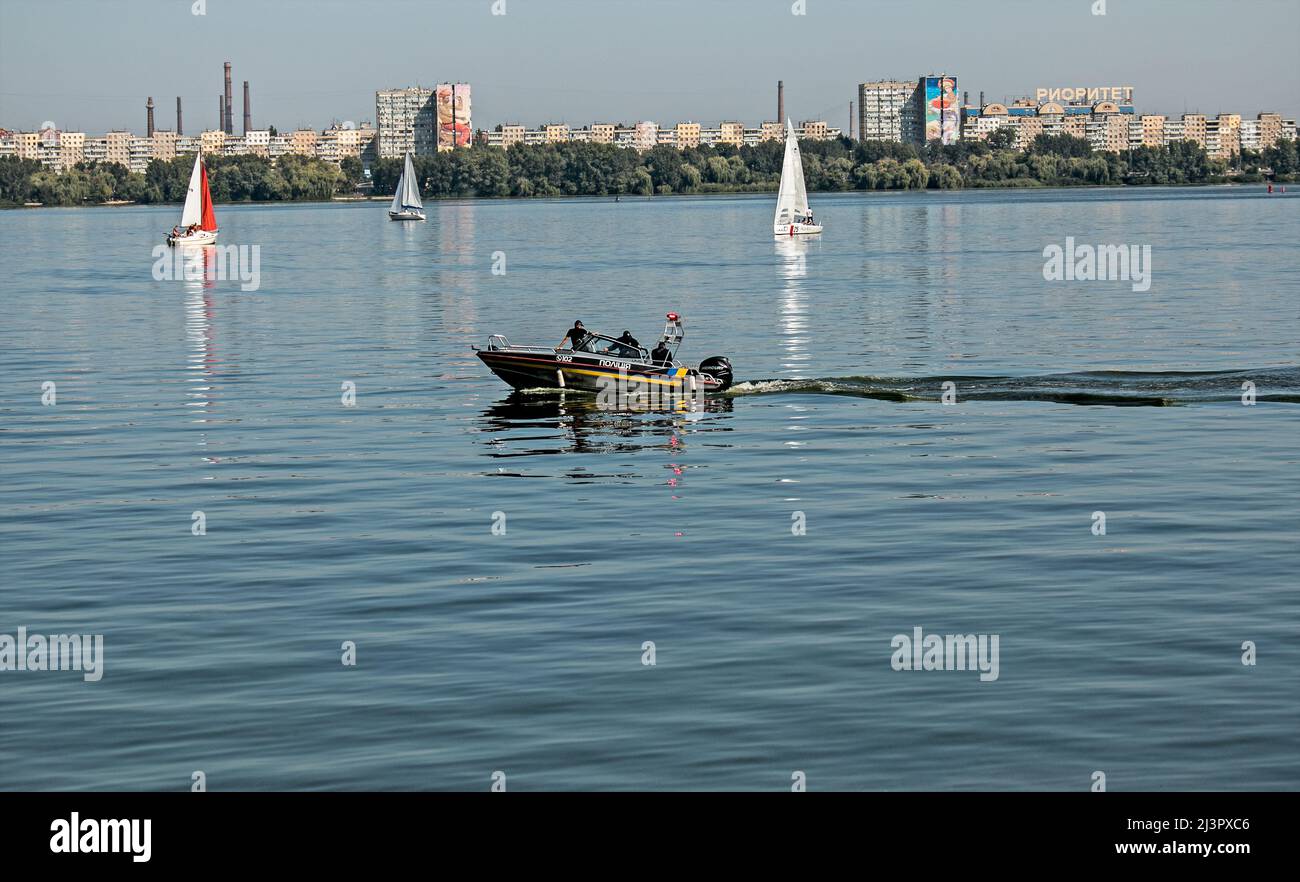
[577,335]
[631,346]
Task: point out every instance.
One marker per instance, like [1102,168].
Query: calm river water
[523,652]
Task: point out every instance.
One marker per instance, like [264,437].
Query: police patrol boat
[591,364]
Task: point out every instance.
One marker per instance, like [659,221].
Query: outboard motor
[718,367]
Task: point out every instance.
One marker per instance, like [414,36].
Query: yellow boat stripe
[631,379]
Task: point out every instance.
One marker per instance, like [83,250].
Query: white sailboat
[793,217]
[198,224]
[406,201]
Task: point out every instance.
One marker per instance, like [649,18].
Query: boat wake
[1114,388]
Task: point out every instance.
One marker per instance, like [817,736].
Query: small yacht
[406,201]
[793,216]
[198,224]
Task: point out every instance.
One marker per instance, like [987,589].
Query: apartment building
[407,121]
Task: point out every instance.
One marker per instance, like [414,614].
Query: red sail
[209,221]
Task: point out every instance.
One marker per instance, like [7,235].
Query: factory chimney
[221,114]
[229,126]
[248,110]
[981,97]
[180,128]
[849,130]
[148,109]
[780,102]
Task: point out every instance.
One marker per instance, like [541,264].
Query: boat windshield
[602,345]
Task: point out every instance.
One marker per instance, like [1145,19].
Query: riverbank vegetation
[585,169]
[578,169]
[230,178]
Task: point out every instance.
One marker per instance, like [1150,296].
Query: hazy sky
[89,64]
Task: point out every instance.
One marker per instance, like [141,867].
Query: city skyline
[1178,57]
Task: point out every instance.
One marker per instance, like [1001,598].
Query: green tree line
[230,178]
[587,169]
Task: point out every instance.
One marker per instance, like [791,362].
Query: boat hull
[202,237]
[405,216]
[796,229]
[536,368]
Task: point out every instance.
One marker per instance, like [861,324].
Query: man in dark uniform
[629,347]
[628,340]
[576,336]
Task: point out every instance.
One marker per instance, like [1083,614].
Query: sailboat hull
[406,215]
[796,229]
[198,237]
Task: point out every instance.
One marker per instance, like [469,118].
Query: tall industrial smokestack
[981,97]
[221,114]
[229,126]
[248,110]
[148,109]
[849,130]
[780,102]
[180,127]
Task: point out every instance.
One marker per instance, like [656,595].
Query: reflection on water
[793,252]
[528,424]
[456,230]
[793,268]
[199,278]
[461,268]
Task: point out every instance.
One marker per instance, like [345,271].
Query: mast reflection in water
[793,252]
[793,266]
[199,279]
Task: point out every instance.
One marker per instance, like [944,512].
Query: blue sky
[89,64]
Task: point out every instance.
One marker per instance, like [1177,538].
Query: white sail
[408,192]
[193,211]
[792,200]
[412,187]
